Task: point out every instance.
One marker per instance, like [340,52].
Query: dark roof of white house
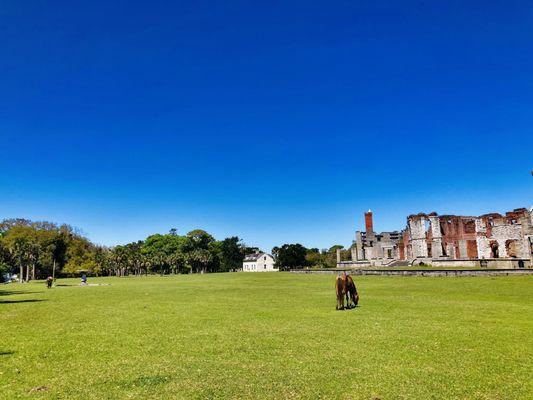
[254,257]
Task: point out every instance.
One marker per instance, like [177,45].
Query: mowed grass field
[268,336]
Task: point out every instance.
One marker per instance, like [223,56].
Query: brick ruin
[489,236]
[370,245]
[492,240]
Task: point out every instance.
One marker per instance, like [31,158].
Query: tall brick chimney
[369,226]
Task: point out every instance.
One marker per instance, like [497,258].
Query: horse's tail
[339,286]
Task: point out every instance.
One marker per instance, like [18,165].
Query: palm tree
[199,260]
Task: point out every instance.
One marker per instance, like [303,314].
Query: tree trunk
[28,273]
[33,272]
[21,274]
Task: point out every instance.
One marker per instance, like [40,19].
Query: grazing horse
[340,290]
[352,297]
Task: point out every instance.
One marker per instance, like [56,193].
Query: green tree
[198,239]
[80,255]
[199,260]
[5,259]
[231,254]
[53,247]
[165,253]
[22,246]
[200,251]
[315,258]
[331,256]
[291,256]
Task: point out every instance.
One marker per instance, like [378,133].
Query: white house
[258,262]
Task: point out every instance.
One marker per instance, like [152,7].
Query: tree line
[295,256]
[38,249]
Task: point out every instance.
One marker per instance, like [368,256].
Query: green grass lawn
[268,336]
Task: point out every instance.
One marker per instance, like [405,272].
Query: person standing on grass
[49,282]
[84,279]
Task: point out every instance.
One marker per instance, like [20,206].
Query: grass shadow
[20,301]
[6,353]
[13,292]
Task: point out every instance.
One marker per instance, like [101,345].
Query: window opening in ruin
[510,246]
[444,250]
[426,225]
[471,249]
[494,253]
[429,250]
[389,253]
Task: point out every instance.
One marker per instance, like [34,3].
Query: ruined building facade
[491,240]
[490,236]
[370,245]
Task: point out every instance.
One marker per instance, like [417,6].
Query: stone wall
[416,226]
[505,236]
[419,272]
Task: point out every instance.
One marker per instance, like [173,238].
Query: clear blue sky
[278,122]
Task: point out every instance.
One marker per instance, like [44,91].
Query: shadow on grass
[12,292]
[349,308]
[20,301]
[6,353]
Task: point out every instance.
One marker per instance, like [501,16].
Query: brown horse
[352,297]
[340,290]
[345,286]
